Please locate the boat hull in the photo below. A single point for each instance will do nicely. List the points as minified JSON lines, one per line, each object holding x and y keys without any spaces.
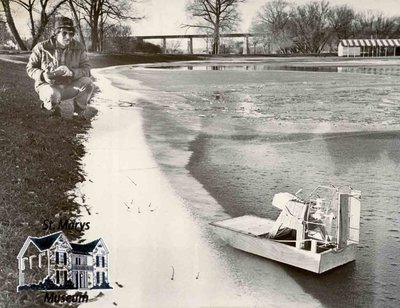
{"x":247,"y":233}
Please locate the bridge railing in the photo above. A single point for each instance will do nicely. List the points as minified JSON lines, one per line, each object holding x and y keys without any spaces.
{"x":164,"y":38}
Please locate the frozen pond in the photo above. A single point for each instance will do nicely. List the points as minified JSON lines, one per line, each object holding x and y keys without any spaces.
{"x":246,"y":134}
{"x":383,"y":70}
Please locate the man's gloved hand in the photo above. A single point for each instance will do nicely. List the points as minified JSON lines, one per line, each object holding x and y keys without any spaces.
{"x":64,"y":71}
{"x":61,"y":71}
{"x":49,"y":77}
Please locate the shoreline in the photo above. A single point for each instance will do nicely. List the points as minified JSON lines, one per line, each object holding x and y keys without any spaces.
{"x":157,"y":230}
{"x":156,"y":241}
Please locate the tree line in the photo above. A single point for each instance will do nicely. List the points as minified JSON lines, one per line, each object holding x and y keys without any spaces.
{"x":316,"y":26}
{"x":284,"y":27}
{"x":280,"y":26}
{"x":95,"y":19}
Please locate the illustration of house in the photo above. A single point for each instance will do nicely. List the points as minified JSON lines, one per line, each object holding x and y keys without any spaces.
{"x":66,"y":265}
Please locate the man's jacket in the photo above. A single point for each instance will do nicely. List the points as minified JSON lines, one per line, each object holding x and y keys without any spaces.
{"x":45,"y":57}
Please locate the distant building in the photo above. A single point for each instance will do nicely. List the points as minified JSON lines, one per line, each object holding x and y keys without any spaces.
{"x":368,"y":47}
{"x":53,"y":256}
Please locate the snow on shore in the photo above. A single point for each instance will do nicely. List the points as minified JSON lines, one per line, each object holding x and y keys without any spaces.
{"x":151,"y":237}
{"x":158,"y":255}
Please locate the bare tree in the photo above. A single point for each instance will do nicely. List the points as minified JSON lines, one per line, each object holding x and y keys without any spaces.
{"x":371,"y":25}
{"x":215,"y":15}
{"x":274,"y":16}
{"x":271,"y":24}
{"x":5,"y":35}
{"x":45,"y":9}
{"x":341,"y":21}
{"x":254,"y":41}
{"x":363,"y":25}
{"x":118,"y":36}
{"x":40,"y":13}
{"x":208,"y":40}
{"x":173,"y":46}
{"x":396,"y":27}
{"x":101,"y":14}
{"x":385,"y":27}
{"x":261,"y":35}
{"x":309,"y":26}
{"x":77,"y":22}
{"x":11,"y":24}
{"x":29,"y":6}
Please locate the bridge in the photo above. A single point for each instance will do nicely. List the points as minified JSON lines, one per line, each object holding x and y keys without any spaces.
{"x":190,"y":37}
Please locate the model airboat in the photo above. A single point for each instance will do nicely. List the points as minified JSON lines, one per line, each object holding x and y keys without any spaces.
{"x":316,"y":233}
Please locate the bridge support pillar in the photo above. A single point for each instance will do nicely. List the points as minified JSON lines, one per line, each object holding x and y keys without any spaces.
{"x":164,"y":45}
{"x":246,"y":49}
{"x":190,"y":45}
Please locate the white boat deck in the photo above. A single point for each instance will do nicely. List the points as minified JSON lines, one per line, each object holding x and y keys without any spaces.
{"x":247,"y":224}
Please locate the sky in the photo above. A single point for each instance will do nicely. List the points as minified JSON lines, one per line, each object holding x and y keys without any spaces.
{"x":165,"y":17}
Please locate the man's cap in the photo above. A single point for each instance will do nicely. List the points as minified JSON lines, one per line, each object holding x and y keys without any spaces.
{"x":64,"y":23}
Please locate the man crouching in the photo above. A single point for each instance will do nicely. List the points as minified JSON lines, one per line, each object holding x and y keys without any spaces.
{"x":61,"y":70}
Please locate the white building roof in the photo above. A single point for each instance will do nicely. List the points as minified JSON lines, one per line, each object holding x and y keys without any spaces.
{"x":370,"y":42}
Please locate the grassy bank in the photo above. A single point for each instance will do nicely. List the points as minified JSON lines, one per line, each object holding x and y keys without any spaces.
{"x":39,"y":163}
